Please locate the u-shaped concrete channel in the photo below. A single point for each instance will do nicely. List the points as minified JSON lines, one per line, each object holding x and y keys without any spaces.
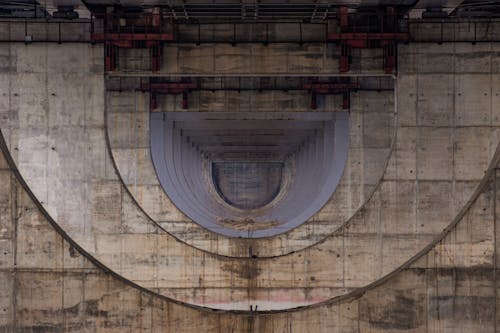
{"x":311,"y":149}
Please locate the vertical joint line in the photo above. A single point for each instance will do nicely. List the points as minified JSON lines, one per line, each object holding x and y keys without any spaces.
{"x":495,"y":245}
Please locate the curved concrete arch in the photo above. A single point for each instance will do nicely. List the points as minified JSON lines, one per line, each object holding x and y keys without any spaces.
{"x":107,"y":234}
{"x":325,"y":247}
{"x":274,"y":318}
{"x":179,"y":165}
{"x":317,"y":228}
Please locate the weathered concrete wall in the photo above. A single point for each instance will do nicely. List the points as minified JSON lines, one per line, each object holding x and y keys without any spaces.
{"x":110,"y":228}
{"x":371,"y":135}
{"x":49,"y":285}
{"x":41,"y":30}
{"x":441,"y":151}
{"x":114,"y":230}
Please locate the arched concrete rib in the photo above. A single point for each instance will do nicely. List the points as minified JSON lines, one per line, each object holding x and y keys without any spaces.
{"x":336,"y":300}
{"x":13,"y":168}
{"x":277,"y":249}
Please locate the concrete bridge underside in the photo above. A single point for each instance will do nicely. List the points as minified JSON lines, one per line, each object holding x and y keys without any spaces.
{"x":117,"y":217}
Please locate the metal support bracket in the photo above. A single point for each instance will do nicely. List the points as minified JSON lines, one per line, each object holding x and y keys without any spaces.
{"x":350,"y":37}
{"x":135,"y":33}
{"x":113,"y":42}
{"x":168,"y":88}
{"x":331,"y":88}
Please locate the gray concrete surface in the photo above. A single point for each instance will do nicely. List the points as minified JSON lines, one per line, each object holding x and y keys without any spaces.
{"x":447,"y":116}
{"x":128,"y":129}
{"x":449,"y":287}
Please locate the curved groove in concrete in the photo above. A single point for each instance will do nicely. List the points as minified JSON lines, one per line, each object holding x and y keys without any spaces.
{"x":335,"y":300}
{"x":292,"y":259}
{"x":338,"y":231}
{"x":438,"y":237}
{"x":12,"y":164}
{"x":361,"y":287}
{"x":488,"y":174}
{"x":250,"y":242}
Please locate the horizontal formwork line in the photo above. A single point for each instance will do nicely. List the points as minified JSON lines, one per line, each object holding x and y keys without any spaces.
{"x":294,"y":89}
{"x":180,"y":40}
{"x":61,"y":270}
{"x":285,"y":117}
{"x":387,"y":235}
{"x":254,"y":75}
{"x":451,"y":127}
{"x":229,"y":40}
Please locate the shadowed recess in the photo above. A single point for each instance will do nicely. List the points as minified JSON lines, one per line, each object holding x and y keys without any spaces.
{"x":249,"y":174}
{"x":247,"y":185}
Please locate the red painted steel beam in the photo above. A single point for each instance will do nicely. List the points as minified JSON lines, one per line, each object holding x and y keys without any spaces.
{"x":387,"y":37}
{"x":344,"y":60}
{"x":155,"y":50}
{"x":346,"y":100}
{"x":314,"y":100}
{"x":328,"y":88}
{"x":343,"y":17}
{"x":116,"y":36}
{"x":127,"y":41}
{"x":173,"y":88}
{"x":153,"y":101}
{"x":361,"y":40}
{"x":389,"y":57}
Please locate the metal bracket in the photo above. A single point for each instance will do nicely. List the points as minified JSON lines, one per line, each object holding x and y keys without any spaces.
{"x":332,"y":88}
{"x":133,"y":34}
{"x":386,"y":38}
{"x":168,"y":88}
